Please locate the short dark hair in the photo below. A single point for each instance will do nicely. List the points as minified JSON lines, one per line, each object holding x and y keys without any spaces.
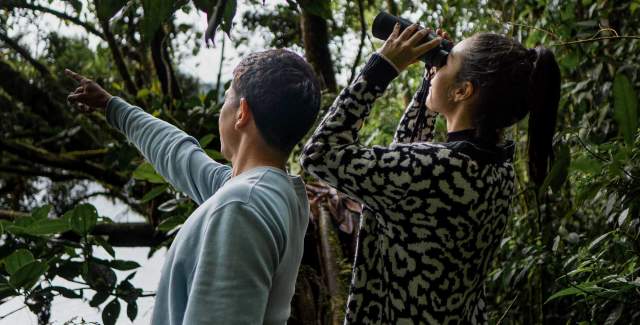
{"x":283,"y":94}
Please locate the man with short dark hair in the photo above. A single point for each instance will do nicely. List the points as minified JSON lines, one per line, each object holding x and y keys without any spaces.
{"x":236,"y":258}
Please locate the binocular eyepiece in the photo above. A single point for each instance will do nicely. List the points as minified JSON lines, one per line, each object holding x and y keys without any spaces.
{"x":383,"y":27}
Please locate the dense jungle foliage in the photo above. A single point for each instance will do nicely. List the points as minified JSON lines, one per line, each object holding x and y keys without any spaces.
{"x":571,"y":252}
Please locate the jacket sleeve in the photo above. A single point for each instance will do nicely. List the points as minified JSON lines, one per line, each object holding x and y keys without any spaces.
{"x":174,"y":154}
{"x":417,"y":122}
{"x":377,"y":176}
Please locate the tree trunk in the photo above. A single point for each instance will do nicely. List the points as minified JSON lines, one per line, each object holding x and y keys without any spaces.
{"x":315,"y":36}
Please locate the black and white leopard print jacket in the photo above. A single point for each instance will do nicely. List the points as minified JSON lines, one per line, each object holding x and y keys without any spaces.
{"x":434,"y":213}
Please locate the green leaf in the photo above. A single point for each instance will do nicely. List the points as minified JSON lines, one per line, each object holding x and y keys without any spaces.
{"x":132,"y":310}
{"x":596,"y":242}
{"x":104,"y":244}
{"x":625,"y":107}
{"x":99,"y":276}
{"x":99,"y":298}
{"x":170,"y":223}
{"x":146,"y":172}
{"x":66,"y":292}
{"x":105,"y":9}
{"x":48,"y":227}
{"x":18,"y":259}
{"x":41,"y":212}
{"x":157,"y":190}
{"x":76,"y":4}
{"x":206,"y":140}
{"x":321,"y":8}
{"x":580,"y":289}
{"x":124,"y":265}
{"x":27,"y":276}
{"x":225,"y":20}
{"x":83,"y":219}
{"x":155,"y":14}
{"x":111,"y":312}
{"x":227,"y":16}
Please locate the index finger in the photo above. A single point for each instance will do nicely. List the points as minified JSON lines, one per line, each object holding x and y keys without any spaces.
{"x":73,"y":75}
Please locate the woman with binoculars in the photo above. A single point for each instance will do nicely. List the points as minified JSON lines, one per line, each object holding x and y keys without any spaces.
{"x":434,"y":213}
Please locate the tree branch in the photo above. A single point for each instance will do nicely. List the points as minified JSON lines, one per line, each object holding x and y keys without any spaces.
{"x":23,"y":4}
{"x":117,"y":58}
{"x":363,"y":36}
{"x":35,"y":154}
{"x":21,"y":89}
{"x":44,"y":71}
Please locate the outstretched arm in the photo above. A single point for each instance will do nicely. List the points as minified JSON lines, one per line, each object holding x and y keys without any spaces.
{"x":175,"y":155}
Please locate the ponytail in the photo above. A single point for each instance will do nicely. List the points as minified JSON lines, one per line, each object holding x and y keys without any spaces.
{"x":544,"y":96}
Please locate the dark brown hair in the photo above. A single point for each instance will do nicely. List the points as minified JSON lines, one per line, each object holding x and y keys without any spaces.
{"x":512,"y":81}
{"x":283,"y":95}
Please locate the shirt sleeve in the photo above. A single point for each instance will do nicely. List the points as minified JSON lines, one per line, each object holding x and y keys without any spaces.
{"x":174,"y":154}
{"x":418,"y":122}
{"x":239,"y":255}
{"x":376,"y":176}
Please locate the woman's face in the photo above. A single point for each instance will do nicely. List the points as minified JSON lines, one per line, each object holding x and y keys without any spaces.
{"x":443,"y":86}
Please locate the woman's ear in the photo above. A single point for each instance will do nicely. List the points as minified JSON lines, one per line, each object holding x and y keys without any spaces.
{"x":464,"y":91}
{"x":243,"y":114}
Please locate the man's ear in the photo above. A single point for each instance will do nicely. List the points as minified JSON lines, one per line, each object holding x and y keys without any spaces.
{"x":243,"y":114}
{"x":464,"y":91}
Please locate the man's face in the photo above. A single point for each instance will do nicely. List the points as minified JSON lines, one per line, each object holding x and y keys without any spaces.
{"x":226,"y":123}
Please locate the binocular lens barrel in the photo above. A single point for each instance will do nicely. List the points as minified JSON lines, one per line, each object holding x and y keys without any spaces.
{"x":383,"y":27}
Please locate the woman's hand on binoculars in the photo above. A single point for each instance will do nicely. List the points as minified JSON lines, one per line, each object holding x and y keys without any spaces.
{"x":404,"y":49}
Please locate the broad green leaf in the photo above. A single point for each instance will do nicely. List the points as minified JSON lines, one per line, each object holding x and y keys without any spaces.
{"x":625,"y":107}
{"x":157,"y":190}
{"x":225,"y":20}
{"x":41,"y":212}
{"x":28,"y":275}
{"x":111,"y":312}
{"x":48,"y":227}
{"x":124,"y":265}
{"x":132,"y":310}
{"x":170,"y":223}
{"x":18,"y":259}
{"x":146,"y":172}
{"x":206,"y":140}
{"x":105,"y":9}
{"x":583,"y":288}
{"x":99,"y":298}
{"x":227,"y":16}
{"x":155,"y":14}
{"x":83,"y":219}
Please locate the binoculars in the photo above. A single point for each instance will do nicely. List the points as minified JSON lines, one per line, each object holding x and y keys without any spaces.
{"x":383,"y":27}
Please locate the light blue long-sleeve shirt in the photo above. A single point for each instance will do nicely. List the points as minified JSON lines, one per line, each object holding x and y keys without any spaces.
{"x":236,"y":258}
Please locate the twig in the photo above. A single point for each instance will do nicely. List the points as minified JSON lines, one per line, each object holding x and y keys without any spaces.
{"x":12,"y":312}
{"x":508,"y":308}
{"x":595,"y":39}
{"x":363,"y":36}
